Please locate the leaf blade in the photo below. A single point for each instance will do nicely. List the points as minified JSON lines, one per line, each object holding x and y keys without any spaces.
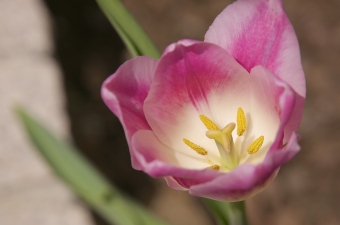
{"x":85,"y":180}
{"x":132,"y":34}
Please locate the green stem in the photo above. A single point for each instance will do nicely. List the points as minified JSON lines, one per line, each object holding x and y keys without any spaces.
{"x":227,"y":213}
{"x":237,"y":213}
{"x":133,"y":35}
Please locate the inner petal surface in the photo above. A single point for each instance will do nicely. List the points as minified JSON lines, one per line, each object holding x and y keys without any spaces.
{"x":191,"y":81}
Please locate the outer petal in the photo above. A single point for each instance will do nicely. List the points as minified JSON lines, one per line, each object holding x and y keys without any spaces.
{"x":124,"y":93}
{"x":258,"y":32}
{"x":183,"y":42}
{"x":270,"y":96}
{"x":171,"y":182}
{"x":247,"y":180}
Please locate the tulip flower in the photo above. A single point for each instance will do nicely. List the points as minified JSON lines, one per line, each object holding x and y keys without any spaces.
{"x":217,"y":118}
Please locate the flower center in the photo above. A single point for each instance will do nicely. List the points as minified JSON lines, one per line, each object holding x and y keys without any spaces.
{"x":229,"y":155}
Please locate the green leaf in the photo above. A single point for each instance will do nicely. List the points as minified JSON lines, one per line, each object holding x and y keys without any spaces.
{"x":134,"y":37}
{"x":84,"y":179}
{"x":227,"y":213}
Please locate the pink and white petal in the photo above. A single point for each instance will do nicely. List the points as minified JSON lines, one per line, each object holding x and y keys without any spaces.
{"x":271,"y":106}
{"x":296,"y":116}
{"x":157,"y":160}
{"x":285,"y":103}
{"x":172,"y":183}
{"x":244,"y":182}
{"x":148,"y":149}
{"x":124,"y":93}
{"x":190,"y":80}
{"x":258,"y":32}
{"x":247,"y":180}
{"x":183,"y":42}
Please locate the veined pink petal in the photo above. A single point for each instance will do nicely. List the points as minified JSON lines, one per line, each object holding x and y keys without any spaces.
{"x":247,"y":180}
{"x":258,"y":32}
{"x":184,"y":81}
{"x":124,"y":93}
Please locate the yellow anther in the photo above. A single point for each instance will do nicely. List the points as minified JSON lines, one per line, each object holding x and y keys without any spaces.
{"x":200,"y":150}
{"x":208,"y":123}
{"x":241,"y":122}
{"x":256,"y":145}
{"x":215,"y":167}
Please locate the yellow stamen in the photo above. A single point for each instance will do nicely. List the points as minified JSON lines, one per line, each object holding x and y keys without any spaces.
{"x":241,"y":122}
{"x":215,"y":167}
{"x":200,"y":150}
{"x":256,"y":145}
{"x":208,"y":123}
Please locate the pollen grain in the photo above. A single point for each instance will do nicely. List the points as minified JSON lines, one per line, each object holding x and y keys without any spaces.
{"x":241,"y":122}
{"x":256,"y":145}
{"x":215,"y":167}
{"x":210,"y":125}
{"x":200,"y":150}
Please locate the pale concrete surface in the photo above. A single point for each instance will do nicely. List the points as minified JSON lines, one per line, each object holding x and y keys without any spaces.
{"x":30,"y":193}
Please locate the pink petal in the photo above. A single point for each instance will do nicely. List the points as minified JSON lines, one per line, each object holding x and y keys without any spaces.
{"x":157,"y":160}
{"x":185,"y":78}
{"x":258,"y":32}
{"x":277,"y":97}
{"x":183,"y":42}
{"x":247,"y":180}
{"x":124,"y":93}
{"x":172,"y":183}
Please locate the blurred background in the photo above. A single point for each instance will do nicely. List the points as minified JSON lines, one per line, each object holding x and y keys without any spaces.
{"x":54,"y":56}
